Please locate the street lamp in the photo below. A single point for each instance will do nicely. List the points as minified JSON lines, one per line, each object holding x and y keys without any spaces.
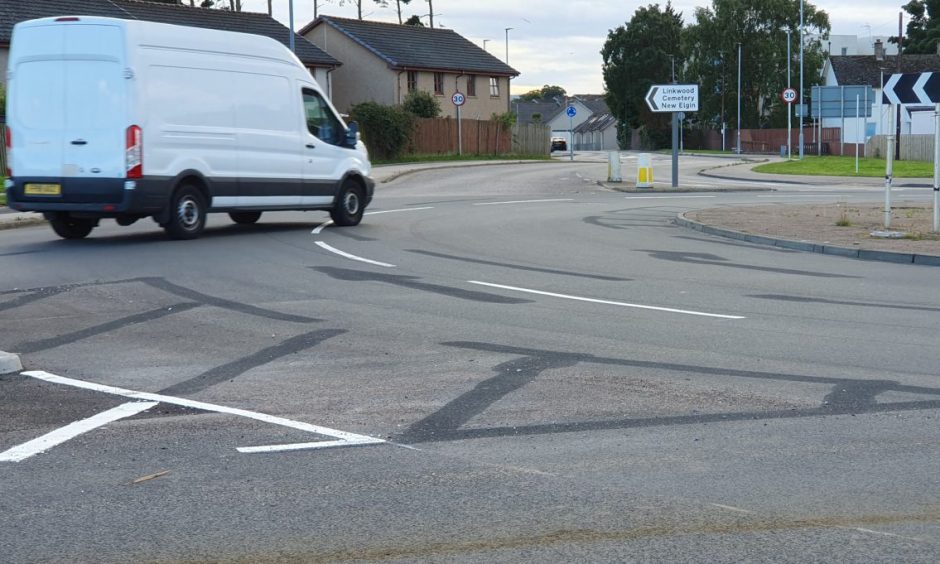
{"x":739,"y":98}
{"x":508,"y":29}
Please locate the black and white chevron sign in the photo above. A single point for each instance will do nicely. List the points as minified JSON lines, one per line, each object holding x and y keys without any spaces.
{"x":913,"y":88}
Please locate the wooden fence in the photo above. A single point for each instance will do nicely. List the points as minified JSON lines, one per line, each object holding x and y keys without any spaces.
{"x":913,"y":147}
{"x":436,"y":136}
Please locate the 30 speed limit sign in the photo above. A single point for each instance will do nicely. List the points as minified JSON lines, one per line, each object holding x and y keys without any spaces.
{"x":458,"y":99}
{"x":788,"y":95}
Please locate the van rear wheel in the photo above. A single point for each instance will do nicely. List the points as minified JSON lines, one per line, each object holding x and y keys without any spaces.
{"x":187,"y":214}
{"x":69,"y":227}
{"x":245,"y":218}
{"x":349,"y":206}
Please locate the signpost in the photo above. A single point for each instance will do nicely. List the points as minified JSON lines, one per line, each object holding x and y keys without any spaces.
{"x":673,"y":98}
{"x":459,"y":100}
{"x":571,"y":111}
{"x":789,"y":96}
{"x":914,"y":88}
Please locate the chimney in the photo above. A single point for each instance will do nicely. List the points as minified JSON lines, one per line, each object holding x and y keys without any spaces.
{"x":879,"y":50}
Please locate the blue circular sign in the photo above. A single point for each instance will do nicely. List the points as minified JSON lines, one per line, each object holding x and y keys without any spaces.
{"x":571,"y":111}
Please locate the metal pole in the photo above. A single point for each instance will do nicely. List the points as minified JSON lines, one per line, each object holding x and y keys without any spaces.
{"x":801,"y":79}
{"x":291,"y":10}
{"x":459,"y":133}
{"x":889,"y":175}
{"x":842,"y":129}
{"x":936,"y":170}
{"x":789,"y":106}
{"x":675,"y":149}
{"x":570,"y":138}
{"x":508,"y":29}
{"x":858,"y":118}
{"x":739,"y":100}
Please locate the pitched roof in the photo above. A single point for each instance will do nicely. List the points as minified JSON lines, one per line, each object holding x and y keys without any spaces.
{"x":865,"y":69}
{"x":413,"y":47}
{"x":178,"y":14}
{"x":597,"y":122}
{"x":597,"y":103}
{"x":547,"y":109}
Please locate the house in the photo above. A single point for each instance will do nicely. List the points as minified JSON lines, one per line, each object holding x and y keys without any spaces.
{"x":382,"y":62}
{"x":593,"y":127}
{"x":875,"y":70}
{"x":316,"y":60}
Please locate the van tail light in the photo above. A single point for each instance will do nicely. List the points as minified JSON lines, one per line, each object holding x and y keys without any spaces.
{"x":134,"y":152}
{"x":9,"y":142}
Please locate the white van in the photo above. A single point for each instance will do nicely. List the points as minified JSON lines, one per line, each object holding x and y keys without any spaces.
{"x":124,"y":119}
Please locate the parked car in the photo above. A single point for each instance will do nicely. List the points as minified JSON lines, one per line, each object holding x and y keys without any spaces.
{"x":559,"y":144}
{"x":126,"y":119}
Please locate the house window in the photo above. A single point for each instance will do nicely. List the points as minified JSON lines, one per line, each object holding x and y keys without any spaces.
{"x":412,"y":81}
{"x":845,"y":51}
{"x":494,"y":87}
{"x":439,"y":83}
{"x":471,"y":85}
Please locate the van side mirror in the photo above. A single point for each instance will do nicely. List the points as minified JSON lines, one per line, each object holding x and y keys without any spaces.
{"x":352,"y":135}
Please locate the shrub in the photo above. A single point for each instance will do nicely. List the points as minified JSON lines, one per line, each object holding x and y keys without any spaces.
{"x":386,"y":130}
{"x":422,"y":104}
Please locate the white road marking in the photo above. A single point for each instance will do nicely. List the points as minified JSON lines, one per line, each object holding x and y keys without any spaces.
{"x":344,"y":254}
{"x":870,"y":531}
{"x":344,"y":438}
{"x":321,"y":227}
{"x":525,"y":202}
{"x":397,"y":211}
{"x":802,"y":196}
{"x":72,"y":430}
{"x":665,"y":197}
{"x":298,"y":446}
{"x":732,"y":508}
{"x":605,"y":302}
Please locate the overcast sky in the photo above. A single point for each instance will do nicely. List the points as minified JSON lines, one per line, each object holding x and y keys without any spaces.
{"x":559,"y":41}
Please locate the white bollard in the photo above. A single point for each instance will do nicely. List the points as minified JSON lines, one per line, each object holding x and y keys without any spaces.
{"x":644,"y":171}
{"x":613,"y":167}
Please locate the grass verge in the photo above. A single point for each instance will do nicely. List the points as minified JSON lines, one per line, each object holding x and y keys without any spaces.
{"x":458,"y":158}
{"x":845,"y":166}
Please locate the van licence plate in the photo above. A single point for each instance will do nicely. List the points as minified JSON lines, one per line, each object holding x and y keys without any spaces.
{"x":43,"y":190}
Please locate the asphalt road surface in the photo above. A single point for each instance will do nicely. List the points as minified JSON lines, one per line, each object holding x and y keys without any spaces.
{"x":500,"y":364}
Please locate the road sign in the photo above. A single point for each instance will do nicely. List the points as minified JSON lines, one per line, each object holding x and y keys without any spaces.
{"x":571,"y":111}
{"x":673,"y":98}
{"x":788,"y":95}
{"x":913,"y":88}
{"x":841,"y":101}
{"x":458,"y":99}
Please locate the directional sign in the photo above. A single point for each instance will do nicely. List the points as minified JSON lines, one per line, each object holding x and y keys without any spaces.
{"x":571,"y":111}
{"x":673,"y":98}
{"x":913,"y":88}
{"x":788,"y":95}
{"x":458,"y":99}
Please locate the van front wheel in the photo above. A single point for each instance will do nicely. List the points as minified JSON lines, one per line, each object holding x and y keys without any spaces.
{"x":349,"y":205}
{"x":69,"y":227}
{"x":187,"y":214}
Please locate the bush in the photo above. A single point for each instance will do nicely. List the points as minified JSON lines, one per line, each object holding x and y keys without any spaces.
{"x":386,"y":130}
{"x":422,"y":104}
{"x":506,"y":120}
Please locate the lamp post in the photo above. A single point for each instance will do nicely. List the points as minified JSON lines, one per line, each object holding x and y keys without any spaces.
{"x":739,"y":99}
{"x":789,"y":106}
{"x":291,"y":9}
{"x":508,"y":29}
{"x":803,"y":110}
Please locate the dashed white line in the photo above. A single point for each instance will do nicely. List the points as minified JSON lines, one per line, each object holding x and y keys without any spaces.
{"x":604,"y":302}
{"x":321,"y":227}
{"x":343,"y":438}
{"x":72,"y":430}
{"x":665,"y":197}
{"x":525,"y":202}
{"x":732,"y":508}
{"x":882,"y":533}
{"x":344,"y":254}
{"x":399,"y":211}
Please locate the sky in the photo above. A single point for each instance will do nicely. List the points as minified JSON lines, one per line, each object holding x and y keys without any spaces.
{"x":559,"y":41}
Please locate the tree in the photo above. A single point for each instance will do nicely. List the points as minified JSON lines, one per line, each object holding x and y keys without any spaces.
{"x":760,"y":26}
{"x":546,"y":93}
{"x":398,"y":4}
{"x":358,"y":4}
{"x":923,"y":31}
{"x":637,"y":55}
{"x":415,"y":21}
{"x":422,"y":104}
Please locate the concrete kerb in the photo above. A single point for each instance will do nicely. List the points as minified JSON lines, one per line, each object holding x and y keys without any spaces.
{"x":9,"y":363}
{"x":809,"y":246}
{"x":19,"y":219}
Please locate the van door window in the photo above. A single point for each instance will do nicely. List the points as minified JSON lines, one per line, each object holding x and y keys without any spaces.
{"x":321,"y":121}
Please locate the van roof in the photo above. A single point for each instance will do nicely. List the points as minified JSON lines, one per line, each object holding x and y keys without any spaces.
{"x":178,"y":14}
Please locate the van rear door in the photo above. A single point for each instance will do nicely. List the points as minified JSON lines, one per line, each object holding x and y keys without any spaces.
{"x":69,"y":109}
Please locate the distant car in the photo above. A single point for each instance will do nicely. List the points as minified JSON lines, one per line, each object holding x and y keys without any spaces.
{"x":559,"y":144}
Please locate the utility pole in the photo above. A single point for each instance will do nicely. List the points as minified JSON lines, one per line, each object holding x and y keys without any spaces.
{"x":897,"y":118}
{"x":508,"y":29}
{"x":789,"y":106}
{"x":431,"y":12}
{"x":739,"y":99}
